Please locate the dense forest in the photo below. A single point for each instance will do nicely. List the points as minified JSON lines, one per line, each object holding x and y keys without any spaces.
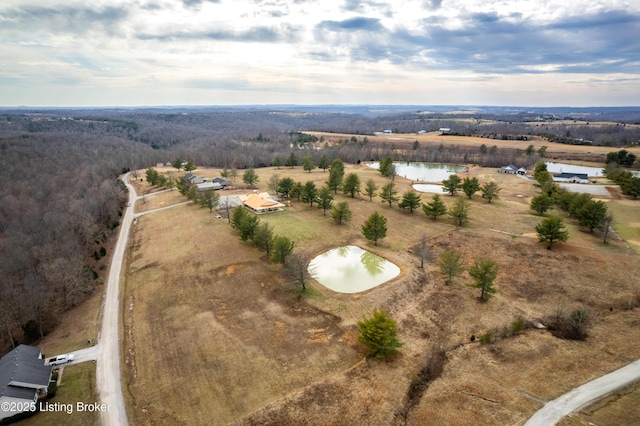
{"x":60,"y":201}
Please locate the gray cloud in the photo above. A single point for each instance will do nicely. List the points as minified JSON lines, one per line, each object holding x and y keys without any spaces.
{"x":353,"y":24}
{"x":196,"y":3}
{"x":490,"y":43}
{"x":65,"y":19}
{"x":262,"y":34}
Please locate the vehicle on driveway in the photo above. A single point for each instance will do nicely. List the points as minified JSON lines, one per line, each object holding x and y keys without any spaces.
{"x":61,"y":359}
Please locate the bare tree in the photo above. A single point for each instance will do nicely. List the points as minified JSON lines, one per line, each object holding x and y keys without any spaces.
{"x":422,"y":249}
{"x":296,"y":268}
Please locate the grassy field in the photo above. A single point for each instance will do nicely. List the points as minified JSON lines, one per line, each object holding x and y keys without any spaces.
{"x":214,"y":331}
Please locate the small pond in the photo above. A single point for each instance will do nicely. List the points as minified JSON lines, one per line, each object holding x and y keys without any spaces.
{"x":423,"y":172}
{"x":428,"y":187}
{"x":351,"y":269}
{"x":572,"y":168}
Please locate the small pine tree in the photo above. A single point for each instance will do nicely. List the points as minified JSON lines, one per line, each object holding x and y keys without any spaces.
{"x":410,"y":201}
{"x":341,"y":212}
{"x":375,"y":227}
{"x":551,"y":230}
{"x":450,"y":265}
{"x":484,"y":272}
{"x":379,"y":334}
{"x":435,"y":208}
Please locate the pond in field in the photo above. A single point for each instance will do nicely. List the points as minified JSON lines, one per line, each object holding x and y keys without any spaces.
{"x":351,"y":269}
{"x":572,"y":168}
{"x":423,"y":172}
{"x":428,"y":187}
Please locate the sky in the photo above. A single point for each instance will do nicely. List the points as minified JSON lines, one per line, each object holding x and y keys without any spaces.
{"x":240,"y":52}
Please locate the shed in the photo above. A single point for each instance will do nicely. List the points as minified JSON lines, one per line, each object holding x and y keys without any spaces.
{"x":571,"y":177}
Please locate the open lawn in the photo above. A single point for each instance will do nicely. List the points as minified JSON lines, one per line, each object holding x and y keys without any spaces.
{"x":214,"y":331}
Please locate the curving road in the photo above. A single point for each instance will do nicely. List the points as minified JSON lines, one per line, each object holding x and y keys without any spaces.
{"x":582,"y":396}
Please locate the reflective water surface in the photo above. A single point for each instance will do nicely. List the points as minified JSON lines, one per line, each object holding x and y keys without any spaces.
{"x":423,"y":172}
{"x":351,"y":269}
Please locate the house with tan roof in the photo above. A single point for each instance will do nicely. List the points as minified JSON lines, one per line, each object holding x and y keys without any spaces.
{"x":261,"y":203}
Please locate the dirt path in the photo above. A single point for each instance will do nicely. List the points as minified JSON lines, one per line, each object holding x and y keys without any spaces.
{"x":582,"y":396}
{"x":108,"y":379}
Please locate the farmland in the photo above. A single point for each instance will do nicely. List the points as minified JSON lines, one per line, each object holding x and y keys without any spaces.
{"x":210,"y":321}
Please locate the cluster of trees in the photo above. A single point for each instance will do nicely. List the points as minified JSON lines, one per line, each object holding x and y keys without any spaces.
{"x":277,"y":248}
{"x":60,"y":205}
{"x":589,"y":213}
{"x":470,"y":186}
{"x":622,"y":157}
{"x":483,"y":271}
{"x":629,"y":184}
{"x":159,"y":179}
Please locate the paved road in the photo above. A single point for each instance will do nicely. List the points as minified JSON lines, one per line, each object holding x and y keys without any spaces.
{"x":108,"y":379}
{"x":582,"y":396}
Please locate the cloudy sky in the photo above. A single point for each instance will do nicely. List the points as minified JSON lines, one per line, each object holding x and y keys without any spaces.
{"x":229,"y":52}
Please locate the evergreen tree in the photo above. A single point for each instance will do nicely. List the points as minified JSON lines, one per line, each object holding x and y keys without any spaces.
{"x":375,"y":227}
{"x":282,"y":249}
{"x":388,"y":193}
{"x":296,"y":190}
{"x":324,"y":162}
{"x":489,"y":191}
{"x":450,"y":265}
{"x":177,"y":163}
{"x":263,"y":237}
{"x":379,"y":334}
{"x":250,"y":177}
{"x":307,"y":163}
{"x":370,"y":189}
{"x":460,"y":212}
{"x":410,"y":201}
{"x":209,"y":199}
{"x":309,"y":193}
{"x":284,"y":186}
{"x":541,"y":203}
{"x":385,"y":166}
{"x":336,"y":173}
{"x":551,"y":230}
{"x":591,"y":214}
{"x":484,"y":272}
{"x":325,"y":199}
{"x":351,"y":184}
{"x":292,"y":161}
{"x":341,"y":212}
{"x":277,"y":162}
{"x":435,"y":208}
{"x":470,"y":186}
{"x":452,"y":184}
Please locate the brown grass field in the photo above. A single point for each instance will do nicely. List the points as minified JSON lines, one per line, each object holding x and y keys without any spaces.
{"x":215,"y":335}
